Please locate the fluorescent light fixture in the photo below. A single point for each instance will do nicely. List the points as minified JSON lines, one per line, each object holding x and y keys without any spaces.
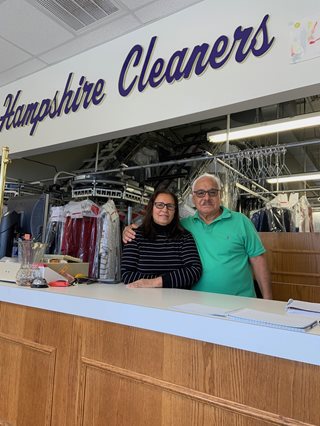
{"x":295,"y":178}
{"x":266,"y":128}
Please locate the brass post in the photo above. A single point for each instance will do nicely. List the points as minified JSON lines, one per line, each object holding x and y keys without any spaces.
{"x":3,"y":172}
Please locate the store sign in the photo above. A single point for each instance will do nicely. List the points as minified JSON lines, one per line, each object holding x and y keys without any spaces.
{"x":19,"y":115}
{"x":139,"y":71}
{"x":184,"y":63}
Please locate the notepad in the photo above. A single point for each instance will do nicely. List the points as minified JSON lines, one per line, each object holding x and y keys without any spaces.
{"x":267,"y":319}
{"x":303,"y":308}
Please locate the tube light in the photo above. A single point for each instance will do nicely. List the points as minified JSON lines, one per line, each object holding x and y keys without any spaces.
{"x":295,"y":178}
{"x":266,"y":128}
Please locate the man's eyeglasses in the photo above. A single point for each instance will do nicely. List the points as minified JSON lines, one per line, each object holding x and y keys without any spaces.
{"x":211,"y":192}
{"x":160,"y":205}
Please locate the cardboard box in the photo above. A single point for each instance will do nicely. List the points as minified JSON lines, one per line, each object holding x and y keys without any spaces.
{"x":51,"y":272}
{"x":70,"y":268}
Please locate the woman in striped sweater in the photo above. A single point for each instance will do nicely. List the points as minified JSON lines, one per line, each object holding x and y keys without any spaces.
{"x":163,"y":254}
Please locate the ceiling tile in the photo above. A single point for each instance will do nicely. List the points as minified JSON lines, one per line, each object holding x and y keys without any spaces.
{"x":161,"y":8}
{"x":28,"y":28}
{"x":22,"y":70}
{"x":11,"y":55}
{"x":101,"y":35}
{"x":134,"y":4}
{"x":26,"y":31}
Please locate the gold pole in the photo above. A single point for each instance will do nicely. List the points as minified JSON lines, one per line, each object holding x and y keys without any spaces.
{"x":4,"y":162}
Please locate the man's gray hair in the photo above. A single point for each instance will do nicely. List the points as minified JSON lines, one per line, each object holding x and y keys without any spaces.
{"x":214,"y":179}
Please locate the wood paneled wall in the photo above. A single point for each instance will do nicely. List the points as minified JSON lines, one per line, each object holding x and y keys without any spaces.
{"x":294,"y":260}
{"x":62,"y":370}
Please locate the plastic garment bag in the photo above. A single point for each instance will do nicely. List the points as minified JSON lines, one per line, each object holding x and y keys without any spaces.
{"x":110,"y":244}
{"x":81,"y":233}
{"x":54,"y":231}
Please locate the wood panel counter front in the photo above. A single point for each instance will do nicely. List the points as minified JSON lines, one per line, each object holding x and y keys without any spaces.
{"x":108,"y":355}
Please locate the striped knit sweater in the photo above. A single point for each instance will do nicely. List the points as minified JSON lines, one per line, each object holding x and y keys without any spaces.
{"x":176,"y":260}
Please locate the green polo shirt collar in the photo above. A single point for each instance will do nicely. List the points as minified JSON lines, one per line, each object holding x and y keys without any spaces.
{"x":226,"y":214}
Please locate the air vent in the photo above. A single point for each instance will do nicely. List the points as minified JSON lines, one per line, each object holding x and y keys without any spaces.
{"x":79,"y":14}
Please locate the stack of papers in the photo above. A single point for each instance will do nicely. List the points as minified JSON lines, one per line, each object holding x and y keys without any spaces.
{"x":286,"y":322}
{"x":304,"y":308}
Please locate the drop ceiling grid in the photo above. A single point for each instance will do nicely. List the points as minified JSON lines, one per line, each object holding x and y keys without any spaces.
{"x":31,"y":40}
{"x":33,"y":31}
{"x":78,"y":45}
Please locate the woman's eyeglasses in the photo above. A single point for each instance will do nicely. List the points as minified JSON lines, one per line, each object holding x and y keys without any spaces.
{"x":160,"y":205}
{"x":211,"y":192}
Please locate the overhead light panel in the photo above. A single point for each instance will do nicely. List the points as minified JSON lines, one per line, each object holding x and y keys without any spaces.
{"x":266,"y":128}
{"x":295,"y":178}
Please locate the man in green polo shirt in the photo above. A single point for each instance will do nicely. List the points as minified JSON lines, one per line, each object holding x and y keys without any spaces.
{"x":229,"y":246}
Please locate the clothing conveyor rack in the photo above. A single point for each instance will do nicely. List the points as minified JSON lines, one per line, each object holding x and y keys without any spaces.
{"x":135,"y":195}
{"x":10,"y":191}
{"x":96,"y":192}
{"x":84,"y":186}
{"x":13,"y":189}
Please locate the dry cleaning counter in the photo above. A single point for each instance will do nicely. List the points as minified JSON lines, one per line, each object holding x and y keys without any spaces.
{"x":150,"y":309}
{"x":84,"y":344}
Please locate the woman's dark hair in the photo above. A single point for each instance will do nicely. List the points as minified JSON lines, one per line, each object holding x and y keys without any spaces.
{"x":148,"y":226}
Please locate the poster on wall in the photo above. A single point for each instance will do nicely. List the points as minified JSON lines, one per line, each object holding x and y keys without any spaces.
{"x":305,"y":39}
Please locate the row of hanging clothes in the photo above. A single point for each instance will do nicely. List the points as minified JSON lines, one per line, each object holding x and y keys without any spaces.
{"x":90,"y":232}
{"x":285,"y":213}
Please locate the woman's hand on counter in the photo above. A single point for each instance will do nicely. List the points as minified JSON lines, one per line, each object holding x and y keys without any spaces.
{"x":146,"y":283}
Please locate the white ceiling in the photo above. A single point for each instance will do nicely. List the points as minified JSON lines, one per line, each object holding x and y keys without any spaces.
{"x":35,"y":34}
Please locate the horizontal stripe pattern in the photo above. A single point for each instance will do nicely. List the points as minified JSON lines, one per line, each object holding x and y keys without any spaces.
{"x":176,"y":260}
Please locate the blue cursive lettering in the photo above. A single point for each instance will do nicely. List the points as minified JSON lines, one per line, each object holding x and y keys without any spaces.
{"x":183,"y":64}
{"x":35,"y":112}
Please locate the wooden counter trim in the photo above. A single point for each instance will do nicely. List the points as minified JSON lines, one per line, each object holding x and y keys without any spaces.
{"x":4,"y":423}
{"x":291,"y":251}
{"x":33,"y":345}
{"x":111,"y":374}
{"x":301,"y":274}
{"x":195,"y":395}
{"x":297,"y":285}
{"x":46,"y":350}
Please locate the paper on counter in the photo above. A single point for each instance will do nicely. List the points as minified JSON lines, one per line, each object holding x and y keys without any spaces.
{"x":303,"y":308}
{"x":197,"y":308}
